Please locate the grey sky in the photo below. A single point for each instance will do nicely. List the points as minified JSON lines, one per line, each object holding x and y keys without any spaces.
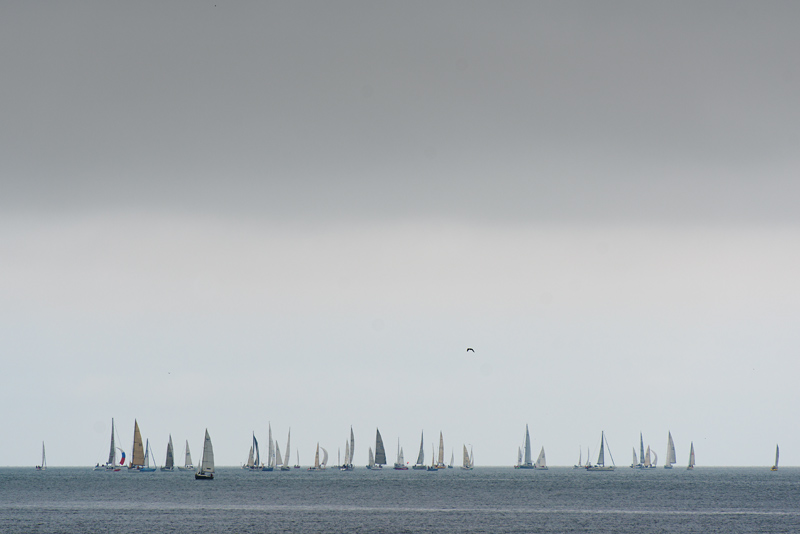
{"x":314,"y":208}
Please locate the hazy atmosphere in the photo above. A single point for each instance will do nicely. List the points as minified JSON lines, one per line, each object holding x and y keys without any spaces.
{"x":224,"y":215}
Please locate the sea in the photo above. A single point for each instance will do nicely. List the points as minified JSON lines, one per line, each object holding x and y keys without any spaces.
{"x":486,"y":499}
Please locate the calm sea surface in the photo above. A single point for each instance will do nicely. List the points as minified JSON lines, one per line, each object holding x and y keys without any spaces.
{"x":706,"y":500}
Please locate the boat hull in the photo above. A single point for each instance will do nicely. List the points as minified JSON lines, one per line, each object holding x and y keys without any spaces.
{"x":204,"y":476}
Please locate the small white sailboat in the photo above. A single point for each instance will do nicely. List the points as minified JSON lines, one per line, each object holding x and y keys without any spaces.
{"x":297,"y":465}
{"x":421,"y":456}
{"x":285,"y":466}
{"x":580,"y":460}
{"x":541,"y":461}
{"x":319,"y":466}
{"x":601,"y":463}
{"x":371,"y":460}
{"x":187,"y":459}
{"x":528,"y":461}
{"x":400,"y":464}
{"x":348,"y":452}
{"x":654,"y":462}
{"x":467,"y":461}
{"x":432,"y":467}
{"x":452,"y":459}
{"x":380,"y":451}
{"x":773,"y":468}
{"x":271,"y":463}
{"x":206,"y":468}
{"x":691,"y":457}
{"x":670,"y":452}
{"x":635,"y":462}
{"x":278,"y":458}
{"x":519,"y":458}
{"x":43,"y":465}
{"x":169,"y":462}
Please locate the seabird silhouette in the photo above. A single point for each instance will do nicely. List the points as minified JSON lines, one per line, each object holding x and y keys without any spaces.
{"x":470,"y":349}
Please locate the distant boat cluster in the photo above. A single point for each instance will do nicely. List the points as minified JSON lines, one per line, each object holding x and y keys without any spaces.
{"x":142,"y":459}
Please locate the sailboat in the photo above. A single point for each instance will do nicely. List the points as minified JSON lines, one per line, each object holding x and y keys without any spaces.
{"x":421,"y":457}
{"x":380,"y":451}
{"x":452,"y":459}
{"x":254,"y":458}
{"x":467,"y":462}
{"x":271,"y":463}
{"x":317,"y":465}
{"x":206,"y":469}
{"x":43,"y":465}
{"x":670,"y":452}
{"x":111,"y":463}
{"x":285,"y":466}
{"x":580,"y":459}
{"x":528,"y":463}
{"x":146,"y":467}
{"x":137,"y":458}
{"x":773,"y":468}
{"x":297,"y":465}
{"x":348,"y":453}
{"x":278,"y":458}
{"x":371,"y":461}
{"x":691,"y":457}
{"x":654,"y":463}
{"x":169,"y":462}
{"x":541,"y":461}
{"x":400,"y":463}
{"x":440,"y":463}
{"x":635,"y":462}
{"x":187,"y":461}
{"x":432,"y":467}
{"x":519,"y":458}
{"x":601,"y":463}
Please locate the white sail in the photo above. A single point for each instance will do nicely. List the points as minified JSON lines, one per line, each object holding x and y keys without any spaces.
{"x":655,"y":459}
{"x":352,"y":448}
{"x":641,"y":451}
{"x":316,"y":458}
{"x":528,"y":459}
{"x":43,"y":465}
{"x":541,"y":461}
{"x":188,"y":457}
{"x":421,"y":456}
{"x":440,"y":462}
{"x":271,"y":451}
{"x":324,"y":458}
{"x":519,"y":456}
{"x":380,"y":451}
{"x":278,"y":458}
{"x":452,"y":458}
{"x":400,"y":459}
{"x":250,"y":458}
{"x":371,"y":462}
{"x":206,"y":467}
{"x":635,"y":461}
{"x":774,"y":467}
{"x":465,"y":460}
{"x":691,"y":457}
{"x":670,"y":451}
{"x":647,"y":457}
{"x":286,"y":458}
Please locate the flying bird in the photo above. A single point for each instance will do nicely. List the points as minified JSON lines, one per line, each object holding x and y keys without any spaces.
{"x":470,"y":349}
